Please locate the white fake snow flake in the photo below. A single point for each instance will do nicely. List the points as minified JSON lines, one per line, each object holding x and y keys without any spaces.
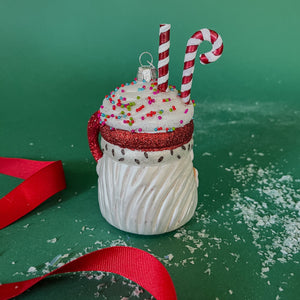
{"x":208,"y":271}
{"x":52,"y":241}
{"x":169,"y":257}
{"x":191,"y":249}
{"x":206,"y":154}
{"x":137,"y":291}
{"x":32,"y":270}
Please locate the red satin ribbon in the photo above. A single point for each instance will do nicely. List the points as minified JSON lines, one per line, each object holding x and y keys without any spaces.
{"x":41,"y":181}
{"x":132,"y":263}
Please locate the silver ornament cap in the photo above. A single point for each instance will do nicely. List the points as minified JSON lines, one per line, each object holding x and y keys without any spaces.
{"x":146,"y":72}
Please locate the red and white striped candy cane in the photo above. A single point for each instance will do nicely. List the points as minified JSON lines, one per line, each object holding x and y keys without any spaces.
{"x":163,"y":57}
{"x":190,"y":54}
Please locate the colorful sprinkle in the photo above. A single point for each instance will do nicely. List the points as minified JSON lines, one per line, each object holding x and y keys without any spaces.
{"x":151,"y":114}
{"x":151,"y":100}
{"x":140,"y":108}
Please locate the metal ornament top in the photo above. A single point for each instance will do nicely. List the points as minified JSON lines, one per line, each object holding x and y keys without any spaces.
{"x":146,"y":72}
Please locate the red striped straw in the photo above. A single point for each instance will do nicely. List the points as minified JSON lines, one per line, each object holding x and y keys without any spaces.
{"x":163,"y":57}
{"x":190,"y":54}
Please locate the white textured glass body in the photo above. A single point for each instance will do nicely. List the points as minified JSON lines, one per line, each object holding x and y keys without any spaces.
{"x":147,"y":198}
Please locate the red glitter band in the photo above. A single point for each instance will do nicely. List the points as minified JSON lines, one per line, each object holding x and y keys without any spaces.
{"x":148,"y":141}
{"x":136,"y":141}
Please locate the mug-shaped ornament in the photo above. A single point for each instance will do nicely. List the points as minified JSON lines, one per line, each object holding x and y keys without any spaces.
{"x":146,"y":180}
{"x":147,"y":183}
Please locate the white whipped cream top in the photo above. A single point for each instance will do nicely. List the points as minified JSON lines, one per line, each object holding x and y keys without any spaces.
{"x":139,"y":107}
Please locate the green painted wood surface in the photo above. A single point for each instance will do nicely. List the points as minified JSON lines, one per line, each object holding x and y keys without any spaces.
{"x":57,"y":61}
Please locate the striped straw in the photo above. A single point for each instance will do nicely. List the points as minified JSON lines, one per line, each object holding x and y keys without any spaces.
{"x":163,"y":57}
{"x":206,"y":58}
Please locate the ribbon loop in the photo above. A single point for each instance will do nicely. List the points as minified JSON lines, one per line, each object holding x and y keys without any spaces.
{"x":42,"y":179}
{"x":132,"y":263}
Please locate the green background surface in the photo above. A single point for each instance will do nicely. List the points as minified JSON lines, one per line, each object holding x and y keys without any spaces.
{"x":57,"y":61}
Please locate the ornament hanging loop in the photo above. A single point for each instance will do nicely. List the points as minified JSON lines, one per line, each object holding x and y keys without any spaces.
{"x":149,"y":63}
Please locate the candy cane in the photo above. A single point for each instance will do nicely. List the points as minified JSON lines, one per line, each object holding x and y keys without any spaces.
{"x":163,"y":58}
{"x":190,"y":54}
